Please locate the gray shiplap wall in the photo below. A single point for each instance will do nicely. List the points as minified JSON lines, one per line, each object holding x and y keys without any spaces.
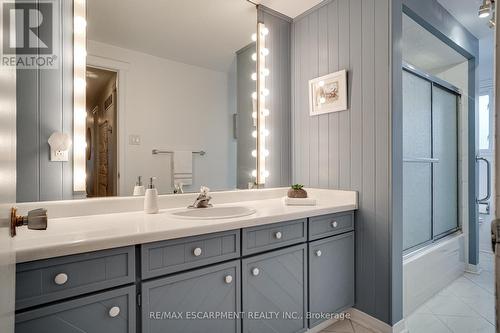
{"x":351,"y":149}
{"x":279,"y":161}
{"x":44,"y":106}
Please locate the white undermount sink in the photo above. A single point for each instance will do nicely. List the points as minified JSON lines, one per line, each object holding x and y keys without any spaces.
{"x":212,"y":213}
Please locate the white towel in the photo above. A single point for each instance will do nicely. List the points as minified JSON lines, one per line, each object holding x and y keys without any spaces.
{"x":183,"y":167}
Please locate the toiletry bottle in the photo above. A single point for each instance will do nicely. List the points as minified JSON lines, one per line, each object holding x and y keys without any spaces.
{"x":139,"y":189}
{"x":151,"y":199}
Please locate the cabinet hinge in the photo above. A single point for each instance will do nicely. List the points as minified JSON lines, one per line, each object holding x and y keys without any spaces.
{"x":139,"y":298}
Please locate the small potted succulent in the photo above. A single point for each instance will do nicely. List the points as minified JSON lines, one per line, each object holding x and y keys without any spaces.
{"x":297,"y":191}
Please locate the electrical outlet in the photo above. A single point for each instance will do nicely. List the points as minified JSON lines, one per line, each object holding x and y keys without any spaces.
{"x":134,"y":140}
{"x":59,"y":156}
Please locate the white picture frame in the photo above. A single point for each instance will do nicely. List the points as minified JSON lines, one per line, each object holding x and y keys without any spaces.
{"x":328,"y":93}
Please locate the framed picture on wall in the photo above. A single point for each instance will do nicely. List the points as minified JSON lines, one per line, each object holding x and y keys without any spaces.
{"x":328,"y":93}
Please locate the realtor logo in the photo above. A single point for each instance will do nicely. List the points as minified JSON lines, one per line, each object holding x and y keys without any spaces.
{"x":28,"y":37}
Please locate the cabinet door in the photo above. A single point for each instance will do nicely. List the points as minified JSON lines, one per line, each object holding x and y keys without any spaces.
{"x":331,"y":276}
{"x":275,"y":284}
{"x":182,"y":303}
{"x":110,"y":312}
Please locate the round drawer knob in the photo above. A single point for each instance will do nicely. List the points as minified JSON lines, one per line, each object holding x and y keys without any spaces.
{"x":228,"y":279}
{"x":61,"y":279}
{"x":278,"y":235}
{"x":197,"y":252}
{"x":318,"y":253}
{"x":335,"y":224}
{"x":114,"y":311}
{"x":255,"y":271}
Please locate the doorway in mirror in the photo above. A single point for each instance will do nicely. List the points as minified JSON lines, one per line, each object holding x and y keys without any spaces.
{"x":101,"y":132}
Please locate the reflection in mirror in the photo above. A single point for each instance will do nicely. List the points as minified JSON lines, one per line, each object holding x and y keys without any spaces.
{"x":173,"y":76}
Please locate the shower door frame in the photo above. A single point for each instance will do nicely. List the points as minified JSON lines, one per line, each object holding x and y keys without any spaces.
{"x":435,"y":81}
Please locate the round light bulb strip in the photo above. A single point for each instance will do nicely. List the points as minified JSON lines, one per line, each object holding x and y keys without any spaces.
{"x":261,"y":112}
{"x":79,"y":89}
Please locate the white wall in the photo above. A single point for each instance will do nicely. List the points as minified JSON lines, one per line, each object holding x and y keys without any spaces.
{"x":172,"y":106}
{"x":486,"y":55}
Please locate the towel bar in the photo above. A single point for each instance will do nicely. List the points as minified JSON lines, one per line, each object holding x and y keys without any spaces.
{"x":158,"y":151}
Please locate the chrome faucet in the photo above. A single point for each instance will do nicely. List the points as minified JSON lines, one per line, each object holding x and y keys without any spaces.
{"x":178,"y":188}
{"x":203,"y":199}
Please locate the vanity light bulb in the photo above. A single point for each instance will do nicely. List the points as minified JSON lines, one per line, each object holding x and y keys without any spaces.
{"x":254,"y":95}
{"x":80,"y":24}
{"x":265,"y":132}
{"x":254,"y":37}
{"x":264,"y":72}
{"x":254,"y":173}
{"x":264,"y":52}
{"x":265,"y":112}
{"x":265,"y":92}
{"x":254,"y":153}
{"x":254,"y":76}
{"x":322,"y":100}
{"x":265,"y":153}
{"x":254,"y":134}
{"x":80,"y":85}
{"x":254,"y":56}
{"x":254,"y":115}
{"x":264,"y":31}
{"x":321,"y":83}
{"x":265,"y":173}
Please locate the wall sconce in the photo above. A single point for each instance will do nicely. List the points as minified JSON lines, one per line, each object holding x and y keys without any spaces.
{"x":59,"y":145}
{"x":262,"y":112}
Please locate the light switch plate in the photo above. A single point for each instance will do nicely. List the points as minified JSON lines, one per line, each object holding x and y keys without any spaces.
{"x":134,"y":140}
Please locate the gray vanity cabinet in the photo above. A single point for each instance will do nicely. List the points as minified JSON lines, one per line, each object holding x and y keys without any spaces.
{"x":275,"y":282}
{"x":331,"y":275}
{"x":109,"y":312}
{"x":175,"y":303}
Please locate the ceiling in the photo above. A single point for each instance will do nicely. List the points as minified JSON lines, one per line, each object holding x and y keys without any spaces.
{"x":291,"y":8}
{"x":196,"y":32}
{"x":425,"y":51}
{"x":465,"y":11}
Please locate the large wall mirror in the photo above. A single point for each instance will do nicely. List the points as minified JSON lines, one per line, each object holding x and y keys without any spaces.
{"x":163,"y":89}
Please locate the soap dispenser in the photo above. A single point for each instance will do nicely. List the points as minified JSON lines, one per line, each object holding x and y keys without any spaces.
{"x":139,"y":189}
{"x":151,"y":198}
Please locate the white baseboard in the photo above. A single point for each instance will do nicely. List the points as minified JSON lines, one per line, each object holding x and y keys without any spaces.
{"x":376,"y":325}
{"x":474,"y":269}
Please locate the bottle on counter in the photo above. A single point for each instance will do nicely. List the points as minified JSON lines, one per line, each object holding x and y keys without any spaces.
{"x":151,"y":198}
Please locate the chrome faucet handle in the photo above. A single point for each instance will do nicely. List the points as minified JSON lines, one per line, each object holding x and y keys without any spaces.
{"x":35,"y":220}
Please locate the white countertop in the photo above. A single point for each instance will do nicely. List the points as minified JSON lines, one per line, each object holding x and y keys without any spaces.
{"x":78,"y":234}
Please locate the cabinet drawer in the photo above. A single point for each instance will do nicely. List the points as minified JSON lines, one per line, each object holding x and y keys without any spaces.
{"x":276,"y":282}
{"x":329,"y":225}
{"x":215,"y":289}
{"x":176,"y":255}
{"x":272,"y":236}
{"x":110,"y":312}
{"x":331,"y":276}
{"x":52,"y":279}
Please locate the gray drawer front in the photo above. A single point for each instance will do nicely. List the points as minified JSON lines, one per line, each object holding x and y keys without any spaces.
{"x":215,"y":289}
{"x":88,"y":272}
{"x":279,"y":286}
{"x":264,"y":238}
{"x":84,"y":315}
{"x":329,"y":225}
{"x":176,"y":255}
{"x":331,"y":276}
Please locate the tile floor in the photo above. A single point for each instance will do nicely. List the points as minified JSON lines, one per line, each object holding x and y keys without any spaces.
{"x":467,"y":305}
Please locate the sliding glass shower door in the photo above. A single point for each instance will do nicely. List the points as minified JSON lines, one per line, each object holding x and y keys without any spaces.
{"x":429,"y":160}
